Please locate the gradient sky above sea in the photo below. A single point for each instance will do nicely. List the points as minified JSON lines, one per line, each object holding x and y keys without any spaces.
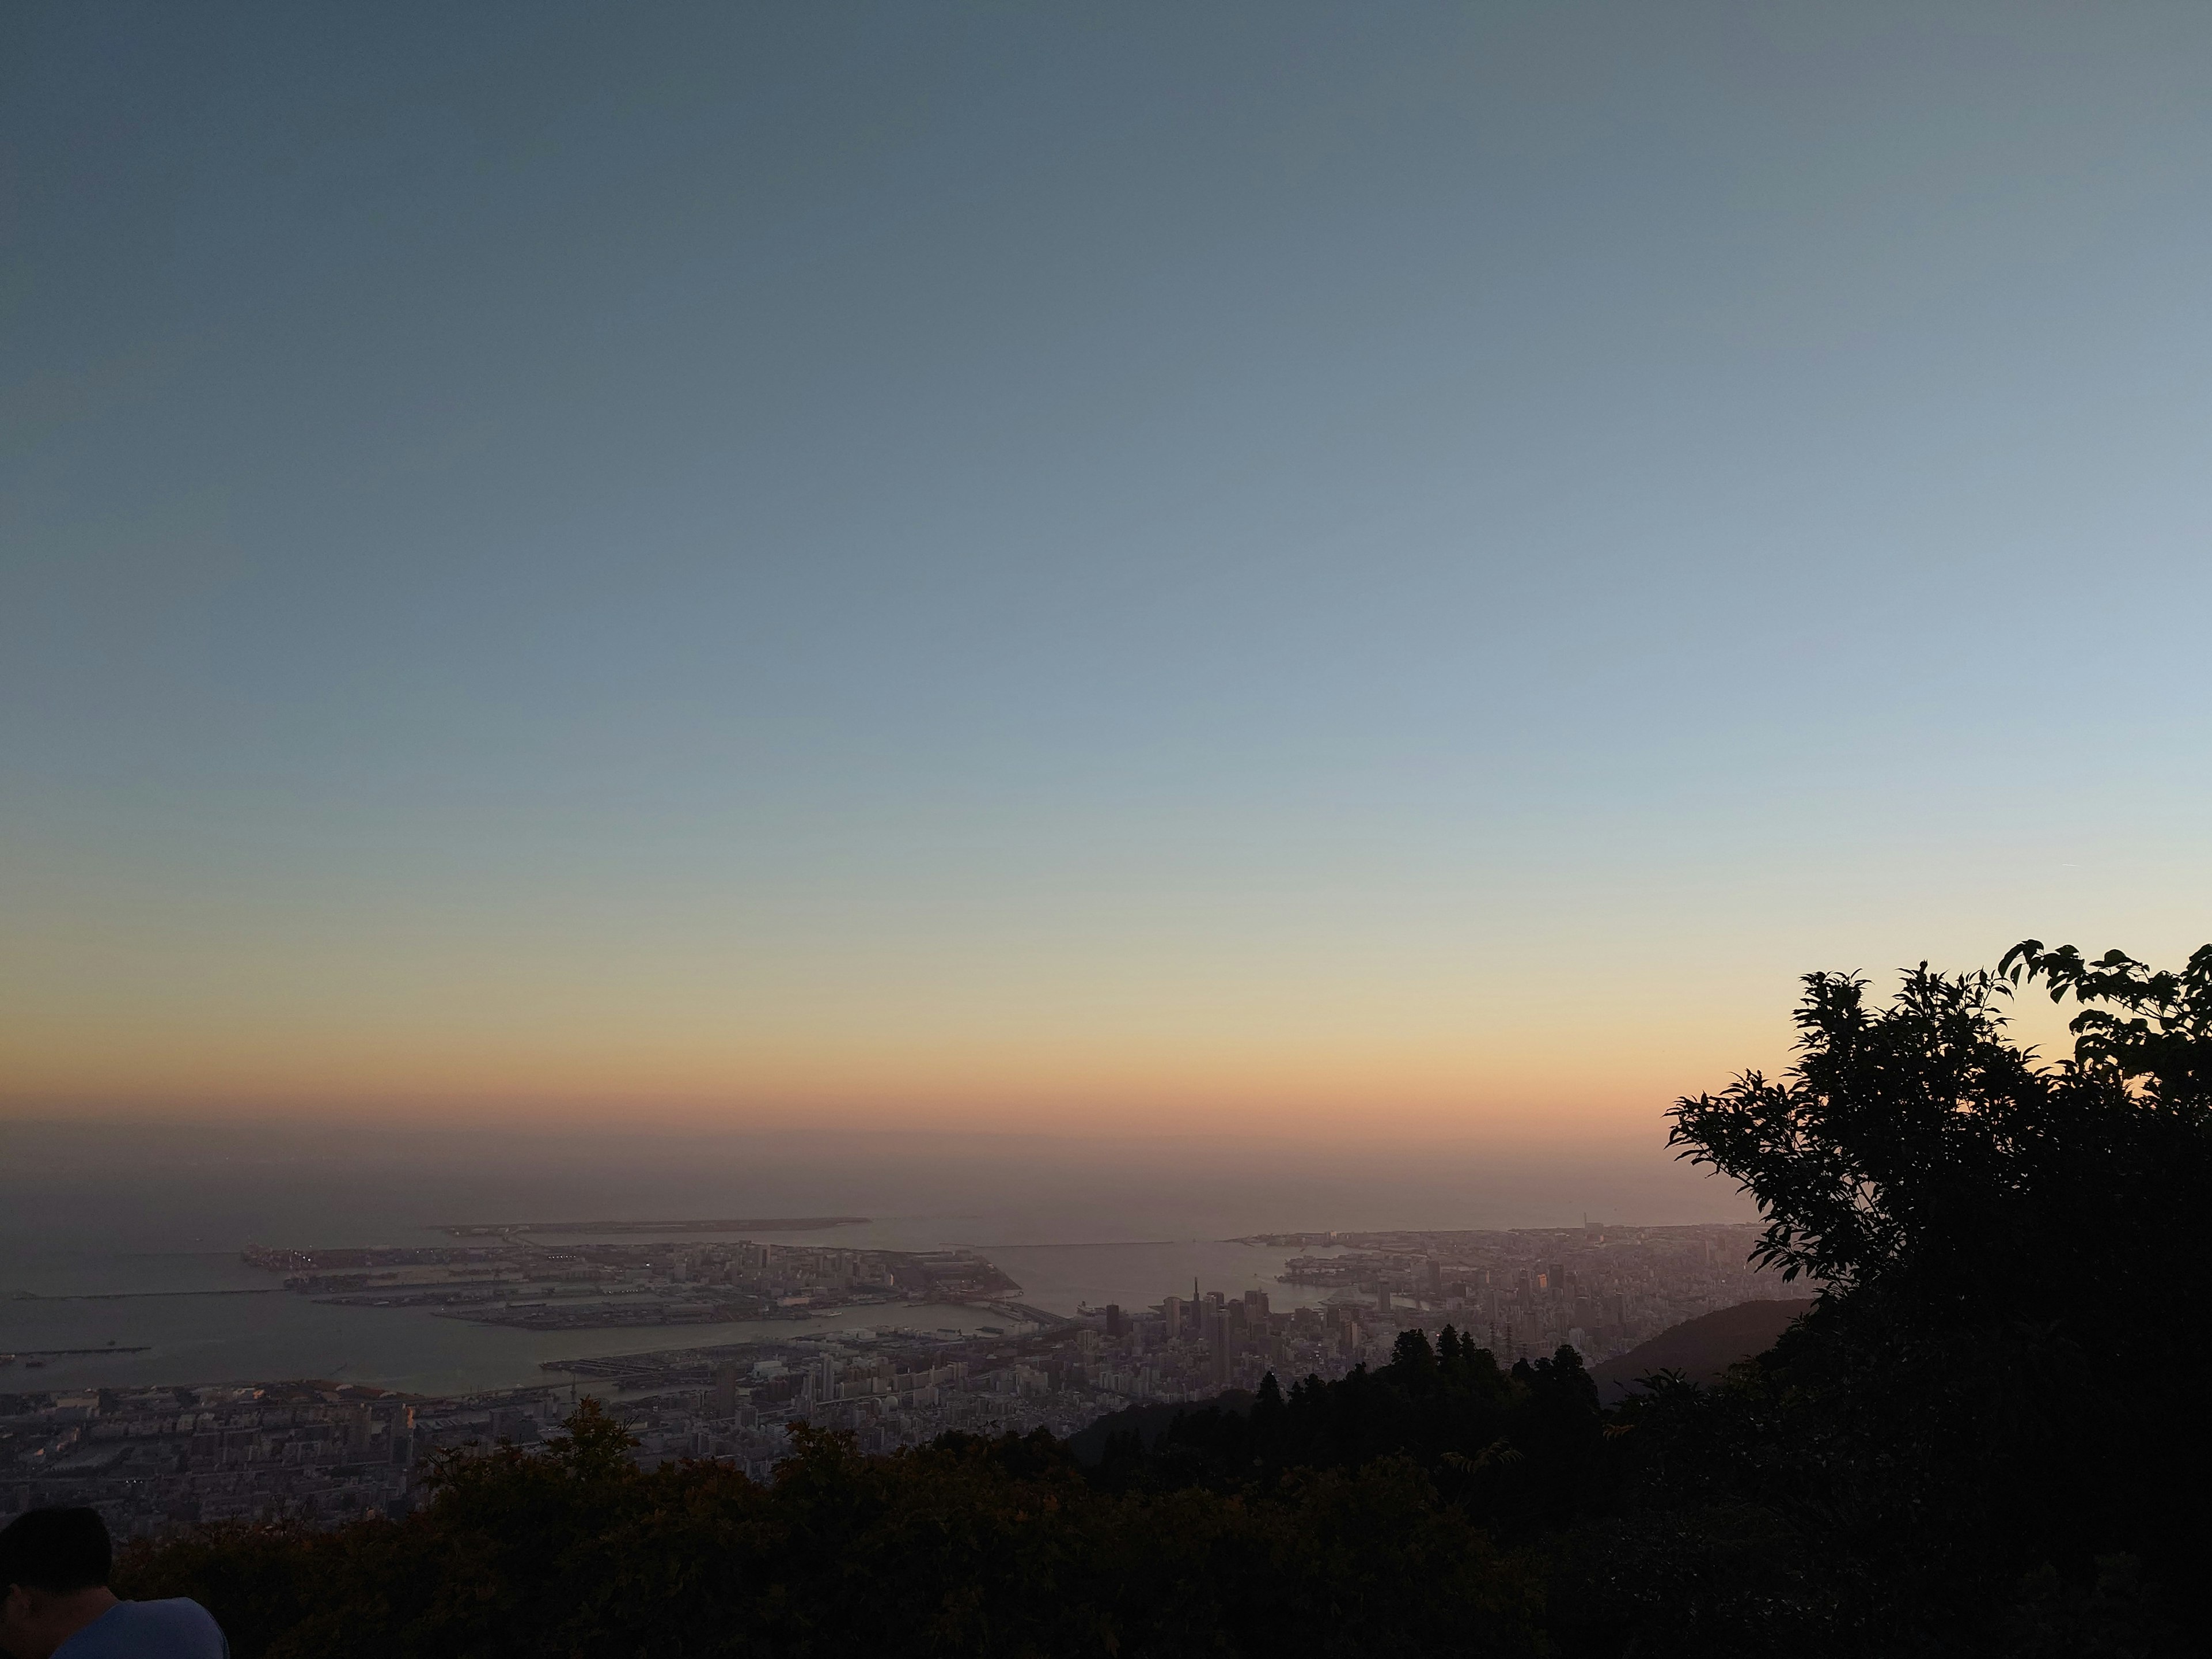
{"x":1383,"y":571}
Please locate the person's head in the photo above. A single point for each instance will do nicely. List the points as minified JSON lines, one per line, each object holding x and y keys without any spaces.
{"x":53,"y":1573}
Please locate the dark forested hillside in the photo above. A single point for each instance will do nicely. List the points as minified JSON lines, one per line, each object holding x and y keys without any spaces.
{"x":1980,"y":1440}
{"x":1702,"y":1349}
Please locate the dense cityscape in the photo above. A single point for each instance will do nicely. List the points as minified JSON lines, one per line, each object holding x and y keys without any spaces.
{"x":155,"y":1459}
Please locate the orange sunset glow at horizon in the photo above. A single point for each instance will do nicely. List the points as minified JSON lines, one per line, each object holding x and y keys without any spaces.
{"x":1173,"y":586}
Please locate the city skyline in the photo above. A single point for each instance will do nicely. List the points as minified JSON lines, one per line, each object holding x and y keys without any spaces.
{"x":161,"y":1457}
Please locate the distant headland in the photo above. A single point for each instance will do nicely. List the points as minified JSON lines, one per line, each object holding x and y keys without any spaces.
{"x":800,"y":1223}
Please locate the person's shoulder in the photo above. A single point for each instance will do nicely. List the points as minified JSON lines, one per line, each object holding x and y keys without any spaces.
{"x":178,"y":1629}
{"x":179,"y":1612}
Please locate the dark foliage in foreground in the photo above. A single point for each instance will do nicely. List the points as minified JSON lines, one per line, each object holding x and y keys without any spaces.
{"x":967,"y":1547}
{"x":1981,"y":1440}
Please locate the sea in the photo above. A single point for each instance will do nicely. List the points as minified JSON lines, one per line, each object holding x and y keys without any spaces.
{"x":120,"y":1243}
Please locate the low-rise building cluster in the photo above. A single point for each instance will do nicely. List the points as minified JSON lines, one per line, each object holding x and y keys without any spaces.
{"x":155,"y":1459}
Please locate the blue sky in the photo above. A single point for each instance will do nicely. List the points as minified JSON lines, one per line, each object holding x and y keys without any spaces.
{"x":953,"y":559}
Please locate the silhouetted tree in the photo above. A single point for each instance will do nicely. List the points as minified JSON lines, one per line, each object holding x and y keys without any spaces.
{"x":1994,"y":1376}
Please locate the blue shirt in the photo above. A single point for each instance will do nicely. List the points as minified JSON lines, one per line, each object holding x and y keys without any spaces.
{"x":149,"y":1630}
